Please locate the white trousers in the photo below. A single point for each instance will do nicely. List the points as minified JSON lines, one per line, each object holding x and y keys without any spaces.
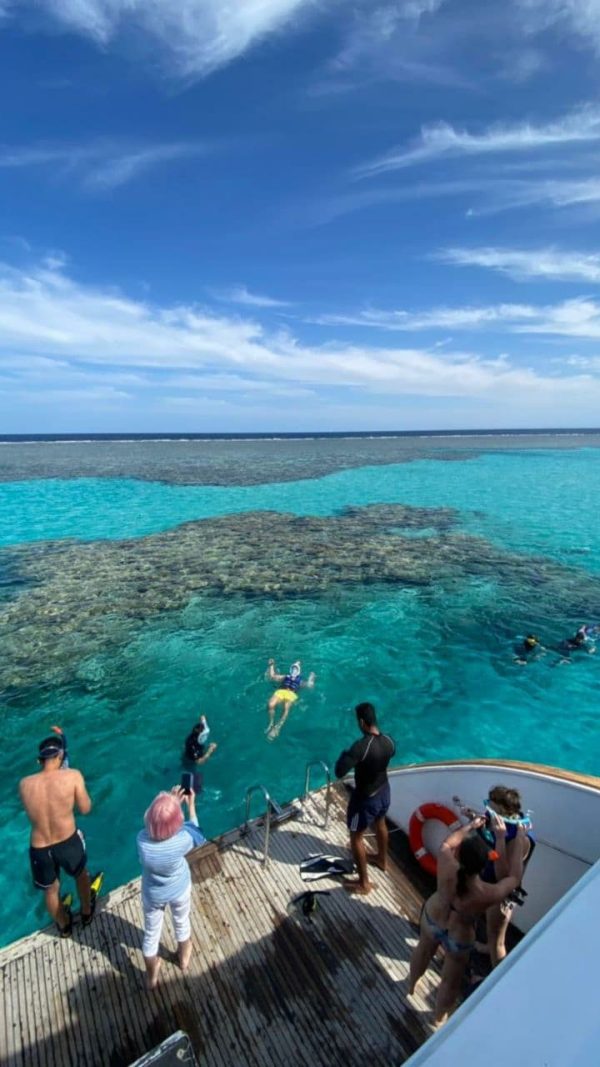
{"x":153,"y":921}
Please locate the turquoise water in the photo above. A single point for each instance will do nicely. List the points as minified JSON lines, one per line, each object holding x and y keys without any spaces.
{"x":435,"y":659}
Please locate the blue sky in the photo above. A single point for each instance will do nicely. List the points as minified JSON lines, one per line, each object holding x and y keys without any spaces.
{"x":272,"y":215}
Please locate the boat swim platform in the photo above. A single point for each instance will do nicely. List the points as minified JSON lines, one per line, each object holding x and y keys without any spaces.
{"x":266,"y":984}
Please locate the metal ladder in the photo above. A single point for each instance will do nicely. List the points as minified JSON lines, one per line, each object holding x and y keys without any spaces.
{"x":309,"y":767}
{"x":275,"y":813}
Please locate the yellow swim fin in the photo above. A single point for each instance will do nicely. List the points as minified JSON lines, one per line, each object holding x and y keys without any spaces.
{"x":95,"y":887}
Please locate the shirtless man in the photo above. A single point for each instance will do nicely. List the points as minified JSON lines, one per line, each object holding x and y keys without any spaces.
{"x":49,"y":798}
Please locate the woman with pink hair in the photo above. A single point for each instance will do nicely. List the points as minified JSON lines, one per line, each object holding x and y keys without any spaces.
{"x":162,"y":846}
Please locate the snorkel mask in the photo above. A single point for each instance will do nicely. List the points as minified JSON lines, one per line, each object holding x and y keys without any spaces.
{"x":295,"y":670}
{"x":204,"y":731}
{"x":512,"y":820}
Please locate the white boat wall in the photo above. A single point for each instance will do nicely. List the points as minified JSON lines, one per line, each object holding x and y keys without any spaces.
{"x":565,"y":813}
{"x":539,"y":1008}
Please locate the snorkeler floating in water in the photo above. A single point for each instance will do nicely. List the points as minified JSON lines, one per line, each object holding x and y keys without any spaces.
{"x":287,"y":694}
{"x":197,"y":751}
{"x":581,"y":641}
{"x":530,"y":648}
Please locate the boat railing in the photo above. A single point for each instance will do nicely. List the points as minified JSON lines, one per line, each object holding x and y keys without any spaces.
{"x":309,"y":768}
{"x":268,"y":812}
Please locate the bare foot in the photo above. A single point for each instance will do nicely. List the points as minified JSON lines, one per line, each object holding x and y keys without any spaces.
{"x":152,"y":969}
{"x":357,"y":887}
{"x":373,"y":858}
{"x":184,"y":954}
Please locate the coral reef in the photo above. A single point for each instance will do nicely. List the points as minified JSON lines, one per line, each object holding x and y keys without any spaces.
{"x":73,"y":600}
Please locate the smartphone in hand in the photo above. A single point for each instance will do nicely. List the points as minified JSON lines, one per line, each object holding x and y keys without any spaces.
{"x":187,"y":782}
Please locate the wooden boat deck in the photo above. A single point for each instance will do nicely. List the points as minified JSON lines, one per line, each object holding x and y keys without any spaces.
{"x":266,"y":985}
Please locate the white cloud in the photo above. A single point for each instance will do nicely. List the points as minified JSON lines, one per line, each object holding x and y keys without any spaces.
{"x":101,"y":164}
{"x":195,"y":36}
{"x":444,"y":318}
{"x":550,"y":263}
{"x":579,"y":317}
{"x":581,"y":16}
{"x":577,"y":127}
{"x":239,"y":294}
{"x":106,"y":337}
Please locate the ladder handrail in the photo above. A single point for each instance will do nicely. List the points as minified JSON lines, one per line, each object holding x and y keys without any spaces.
{"x":267,"y":796}
{"x":309,"y":766}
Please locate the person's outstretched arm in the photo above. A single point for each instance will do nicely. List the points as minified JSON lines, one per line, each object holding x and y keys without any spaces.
{"x":202,"y":759}
{"x":310,"y":681}
{"x":453,"y":840}
{"x":272,"y":672}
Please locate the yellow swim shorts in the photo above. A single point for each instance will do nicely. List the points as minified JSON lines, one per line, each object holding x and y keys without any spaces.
{"x":287,"y":695}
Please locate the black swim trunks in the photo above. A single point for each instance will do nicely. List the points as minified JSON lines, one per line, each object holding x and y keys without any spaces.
{"x":46,"y":863}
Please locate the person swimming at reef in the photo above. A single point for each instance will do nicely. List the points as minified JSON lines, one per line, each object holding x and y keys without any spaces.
{"x":286,"y":694}
{"x":581,"y":641}
{"x":196,"y":751}
{"x":528,"y":649}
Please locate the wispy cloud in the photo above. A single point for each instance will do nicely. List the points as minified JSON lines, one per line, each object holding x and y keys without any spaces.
{"x":239,"y":294}
{"x":580,"y":16}
{"x":98,"y":165}
{"x":444,"y":318}
{"x":522,"y":264}
{"x":194,"y":37}
{"x":579,"y":317}
{"x":442,"y":139}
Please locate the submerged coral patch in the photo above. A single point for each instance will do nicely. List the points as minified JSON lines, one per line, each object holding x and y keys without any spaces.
{"x":81,"y":599}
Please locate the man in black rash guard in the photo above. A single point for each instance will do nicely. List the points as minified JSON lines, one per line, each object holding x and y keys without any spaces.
{"x":370,"y":797}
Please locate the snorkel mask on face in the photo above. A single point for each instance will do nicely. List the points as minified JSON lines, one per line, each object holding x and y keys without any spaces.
{"x":295,"y":669}
{"x":513,"y":820}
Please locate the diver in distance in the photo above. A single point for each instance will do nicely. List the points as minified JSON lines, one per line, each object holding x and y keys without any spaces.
{"x":581,"y":641}
{"x":529,"y":649}
{"x":286,"y":694}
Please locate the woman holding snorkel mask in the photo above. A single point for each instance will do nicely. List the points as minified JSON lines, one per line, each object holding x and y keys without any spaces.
{"x":507,"y":804}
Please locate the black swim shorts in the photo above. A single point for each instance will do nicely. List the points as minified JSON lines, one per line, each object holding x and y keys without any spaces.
{"x":46,"y":863}
{"x":362,"y":811}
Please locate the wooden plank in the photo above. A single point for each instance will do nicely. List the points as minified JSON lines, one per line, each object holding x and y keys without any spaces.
{"x":342,"y":911}
{"x":264,"y":987}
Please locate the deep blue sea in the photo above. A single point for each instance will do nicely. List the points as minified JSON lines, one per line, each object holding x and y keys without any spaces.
{"x":432,"y":649}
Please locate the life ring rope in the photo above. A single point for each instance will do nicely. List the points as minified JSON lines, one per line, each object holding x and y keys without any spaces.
{"x":419,"y":817}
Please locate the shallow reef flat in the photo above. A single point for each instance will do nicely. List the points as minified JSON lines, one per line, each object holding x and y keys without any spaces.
{"x":222,"y":462}
{"x":71,"y":600}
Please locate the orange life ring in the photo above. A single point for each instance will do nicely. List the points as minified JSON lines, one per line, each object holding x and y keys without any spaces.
{"x":415,"y":832}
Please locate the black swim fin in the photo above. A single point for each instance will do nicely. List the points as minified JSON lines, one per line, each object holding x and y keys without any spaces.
{"x":67,"y":903}
{"x":324,"y":866}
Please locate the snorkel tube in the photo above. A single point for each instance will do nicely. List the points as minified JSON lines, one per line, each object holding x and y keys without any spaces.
{"x":63,"y":737}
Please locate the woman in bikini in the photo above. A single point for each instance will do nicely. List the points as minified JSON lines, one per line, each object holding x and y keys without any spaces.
{"x":449,"y":916}
{"x":506,"y":803}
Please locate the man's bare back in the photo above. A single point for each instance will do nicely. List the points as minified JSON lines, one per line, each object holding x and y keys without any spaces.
{"x":49,"y":798}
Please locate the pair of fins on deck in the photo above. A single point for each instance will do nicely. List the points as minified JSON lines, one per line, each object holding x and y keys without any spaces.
{"x":67,"y":903}
{"x":322,"y":865}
